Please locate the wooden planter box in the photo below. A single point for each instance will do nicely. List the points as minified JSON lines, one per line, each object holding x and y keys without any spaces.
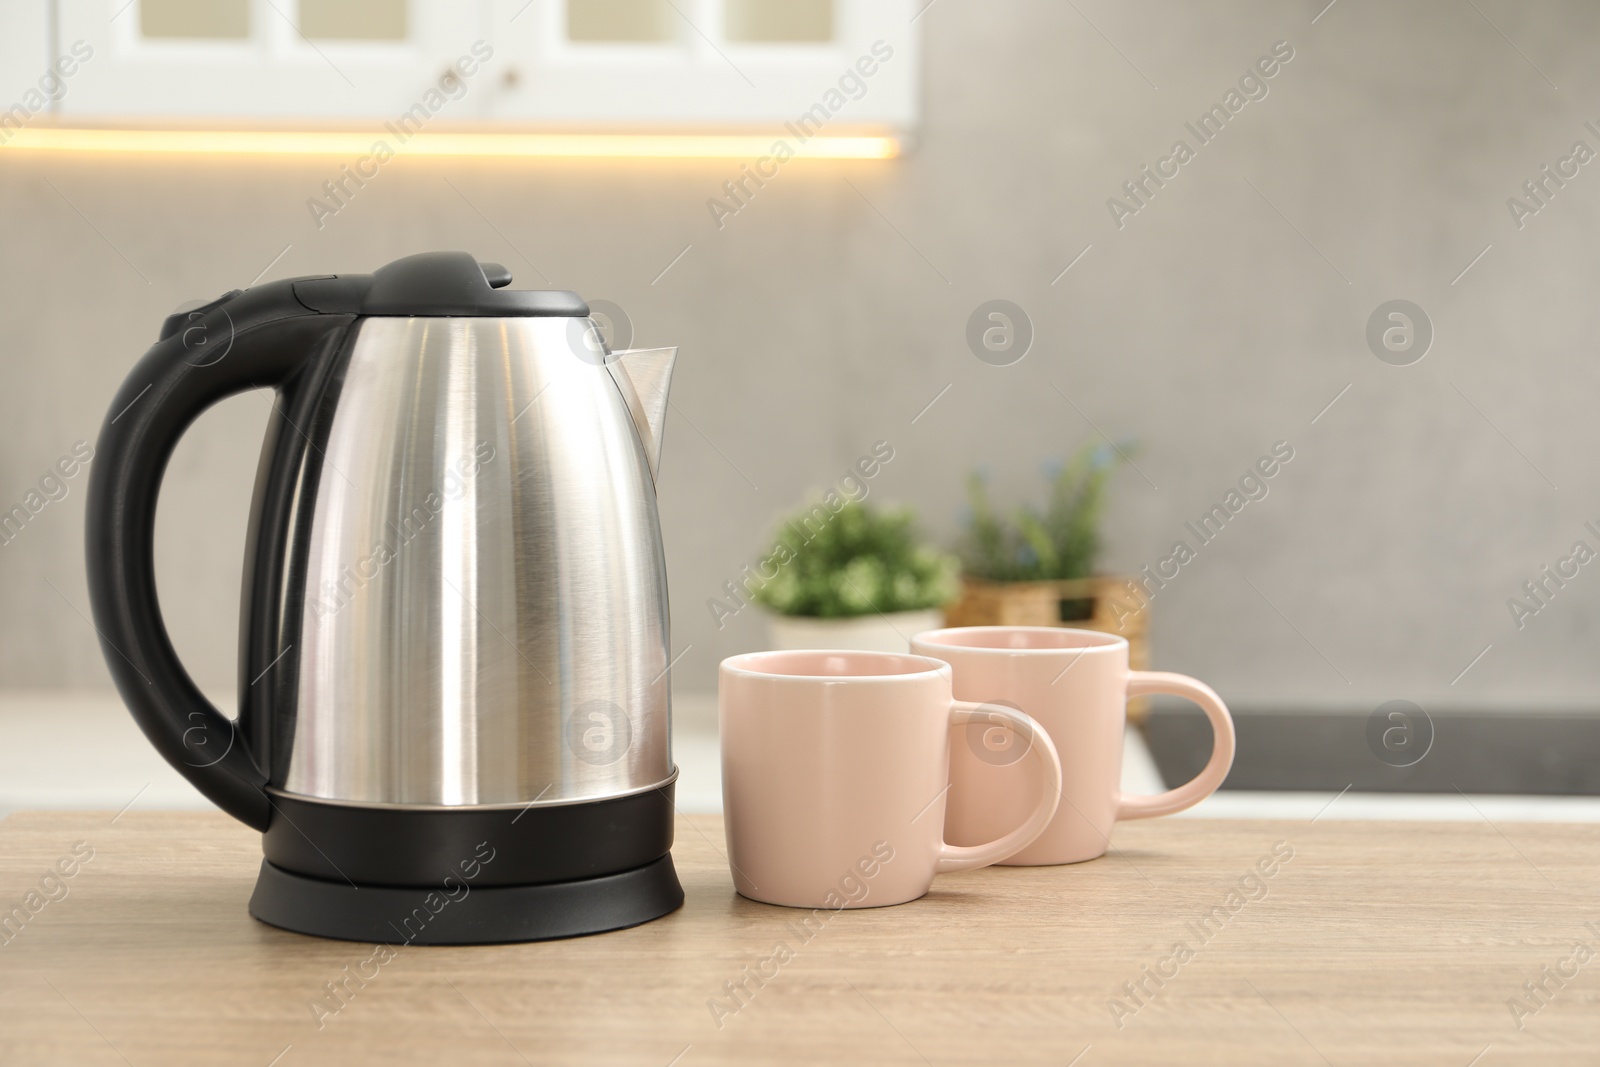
{"x":1081,"y":603}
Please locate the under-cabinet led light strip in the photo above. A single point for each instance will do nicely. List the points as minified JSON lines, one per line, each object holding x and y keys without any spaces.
{"x":509,"y":145}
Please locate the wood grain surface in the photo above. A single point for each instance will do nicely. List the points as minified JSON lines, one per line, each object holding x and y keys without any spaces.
{"x":1374,"y":942}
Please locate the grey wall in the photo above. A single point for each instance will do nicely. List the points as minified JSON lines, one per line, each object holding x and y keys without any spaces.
{"x":1222,"y":318}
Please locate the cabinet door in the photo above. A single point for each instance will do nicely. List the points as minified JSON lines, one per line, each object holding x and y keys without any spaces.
{"x":279,"y":62}
{"x":695,"y":63}
{"x":33,"y":90}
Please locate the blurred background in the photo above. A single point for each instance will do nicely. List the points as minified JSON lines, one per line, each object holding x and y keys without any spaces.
{"x":1182,"y":315}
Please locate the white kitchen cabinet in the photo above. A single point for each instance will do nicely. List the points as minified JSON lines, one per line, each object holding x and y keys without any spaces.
{"x":569,"y":65}
{"x":31,"y":90}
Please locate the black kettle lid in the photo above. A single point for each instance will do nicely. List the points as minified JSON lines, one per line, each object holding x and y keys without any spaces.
{"x":435,"y":283}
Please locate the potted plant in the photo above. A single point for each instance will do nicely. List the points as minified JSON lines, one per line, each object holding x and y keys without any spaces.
{"x":1037,"y":566}
{"x":857,"y":577}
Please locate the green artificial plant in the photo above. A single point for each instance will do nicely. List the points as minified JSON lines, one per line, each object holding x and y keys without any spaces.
{"x":1060,"y":542}
{"x":860,"y":560}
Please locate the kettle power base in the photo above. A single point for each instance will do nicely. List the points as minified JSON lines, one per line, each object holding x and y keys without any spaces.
{"x":423,"y":915}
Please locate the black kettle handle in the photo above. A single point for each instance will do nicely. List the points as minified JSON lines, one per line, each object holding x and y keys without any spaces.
{"x":260,"y":338}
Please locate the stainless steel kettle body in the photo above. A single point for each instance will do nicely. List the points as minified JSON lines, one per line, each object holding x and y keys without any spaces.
{"x":484,"y":603}
{"x":454,"y":654}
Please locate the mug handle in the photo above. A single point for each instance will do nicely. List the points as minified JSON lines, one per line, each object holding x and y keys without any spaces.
{"x":1202,"y":785}
{"x":966,"y":857}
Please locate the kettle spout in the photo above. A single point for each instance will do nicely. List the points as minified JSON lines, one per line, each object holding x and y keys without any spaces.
{"x":644,"y":375}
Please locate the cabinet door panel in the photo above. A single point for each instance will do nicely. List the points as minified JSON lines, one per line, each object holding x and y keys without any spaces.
{"x":718,"y":66}
{"x":33,"y":89}
{"x":180,"y":61}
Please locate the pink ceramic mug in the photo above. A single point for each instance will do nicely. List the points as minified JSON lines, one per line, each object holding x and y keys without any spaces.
{"x":1077,"y":684}
{"x":835,"y":767}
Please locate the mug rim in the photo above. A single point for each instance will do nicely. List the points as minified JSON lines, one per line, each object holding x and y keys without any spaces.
{"x":1102,"y":641}
{"x":738,"y":665}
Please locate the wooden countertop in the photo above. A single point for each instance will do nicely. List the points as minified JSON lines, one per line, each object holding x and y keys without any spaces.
{"x":1392,"y":943}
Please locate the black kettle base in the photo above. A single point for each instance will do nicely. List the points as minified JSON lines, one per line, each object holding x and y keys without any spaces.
{"x":462,"y":915}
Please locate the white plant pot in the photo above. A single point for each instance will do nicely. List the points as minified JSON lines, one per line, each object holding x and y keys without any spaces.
{"x":863,"y":633}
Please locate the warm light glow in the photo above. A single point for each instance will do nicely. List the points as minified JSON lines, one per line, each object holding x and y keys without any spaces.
{"x":548,"y":145}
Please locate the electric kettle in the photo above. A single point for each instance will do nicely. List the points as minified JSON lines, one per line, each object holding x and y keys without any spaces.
{"x":454,"y":714}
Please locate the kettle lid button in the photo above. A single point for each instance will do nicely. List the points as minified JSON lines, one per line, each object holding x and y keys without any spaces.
{"x":455,"y":283}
